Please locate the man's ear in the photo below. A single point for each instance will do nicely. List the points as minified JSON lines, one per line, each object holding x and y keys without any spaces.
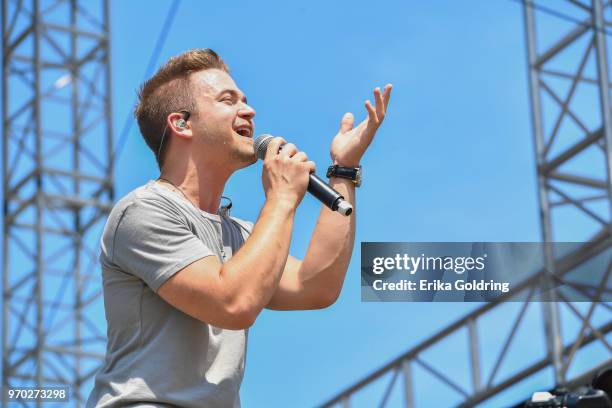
{"x":178,"y":124}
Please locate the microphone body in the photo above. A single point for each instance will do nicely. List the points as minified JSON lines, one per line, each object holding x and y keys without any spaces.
{"x":317,"y":187}
{"x":327,"y":195}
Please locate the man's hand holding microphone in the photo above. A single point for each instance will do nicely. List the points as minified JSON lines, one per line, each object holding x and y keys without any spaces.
{"x":286,"y":172}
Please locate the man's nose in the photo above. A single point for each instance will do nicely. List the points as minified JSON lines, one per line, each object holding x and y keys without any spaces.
{"x":246,"y":111}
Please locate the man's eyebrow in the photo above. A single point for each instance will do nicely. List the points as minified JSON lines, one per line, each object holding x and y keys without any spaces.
{"x":234,"y":94}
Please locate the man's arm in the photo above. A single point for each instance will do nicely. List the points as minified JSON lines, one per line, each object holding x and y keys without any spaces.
{"x":316,"y":281}
{"x":231,"y":295}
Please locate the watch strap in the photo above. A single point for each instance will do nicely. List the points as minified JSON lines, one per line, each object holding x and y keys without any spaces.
{"x":351,"y":173}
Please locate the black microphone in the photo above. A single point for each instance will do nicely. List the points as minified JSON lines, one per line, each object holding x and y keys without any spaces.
{"x":317,"y":187}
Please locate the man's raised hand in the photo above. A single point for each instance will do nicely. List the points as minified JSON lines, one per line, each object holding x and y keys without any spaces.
{"x":350,"y":143}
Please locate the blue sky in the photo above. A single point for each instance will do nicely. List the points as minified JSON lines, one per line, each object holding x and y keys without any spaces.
{"x":453,"y":161}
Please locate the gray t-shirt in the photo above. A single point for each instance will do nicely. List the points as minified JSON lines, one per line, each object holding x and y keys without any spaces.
{"x":158,"y":356}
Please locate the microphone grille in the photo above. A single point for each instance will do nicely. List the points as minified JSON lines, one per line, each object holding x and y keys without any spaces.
{"x":260,"y":146}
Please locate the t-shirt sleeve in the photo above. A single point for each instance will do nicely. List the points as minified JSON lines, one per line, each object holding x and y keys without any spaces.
{"x":153,"y":242}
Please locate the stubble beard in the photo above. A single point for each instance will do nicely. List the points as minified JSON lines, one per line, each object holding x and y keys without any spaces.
{"x":237,"y":151}
{"x":244,"y":155}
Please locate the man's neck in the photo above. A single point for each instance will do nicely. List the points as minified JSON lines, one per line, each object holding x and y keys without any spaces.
{"x":203,"y":185}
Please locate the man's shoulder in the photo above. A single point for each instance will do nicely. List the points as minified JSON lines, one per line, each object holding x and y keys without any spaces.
{"x":137,"y":212}
{"x":138,"y":206}
{"x":241,"y":221}
{"x":143,"y":197}
{"x":246,"y":226}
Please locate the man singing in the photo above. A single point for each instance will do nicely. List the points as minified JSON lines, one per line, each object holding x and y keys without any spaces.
{"x":183,"y":281}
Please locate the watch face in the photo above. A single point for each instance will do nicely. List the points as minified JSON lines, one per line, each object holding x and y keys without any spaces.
{"x":358,"y":176}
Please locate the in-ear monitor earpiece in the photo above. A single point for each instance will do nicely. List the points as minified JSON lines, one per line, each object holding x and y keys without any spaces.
{"x":181,"y":123}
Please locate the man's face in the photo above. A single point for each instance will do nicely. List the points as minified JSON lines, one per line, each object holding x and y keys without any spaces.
{"x":223,"y":122}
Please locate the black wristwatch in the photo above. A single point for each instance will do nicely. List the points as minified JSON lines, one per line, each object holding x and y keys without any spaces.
{"x":351,"y":173}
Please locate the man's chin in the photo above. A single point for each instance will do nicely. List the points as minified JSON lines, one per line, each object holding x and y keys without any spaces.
{"x":252,"y":158}
{"x":249,"y":161}
{"x":246,"y":157}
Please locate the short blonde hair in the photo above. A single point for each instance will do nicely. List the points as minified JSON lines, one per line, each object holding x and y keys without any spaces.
{"x":169,"y":90}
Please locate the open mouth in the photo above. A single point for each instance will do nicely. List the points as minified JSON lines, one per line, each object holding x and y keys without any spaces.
{"x":244,"y":132}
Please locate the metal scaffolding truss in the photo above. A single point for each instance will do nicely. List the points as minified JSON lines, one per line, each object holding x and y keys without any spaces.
{"x":572,"y":128}
{"x":57,"y":190}
{"x":487,"y":338}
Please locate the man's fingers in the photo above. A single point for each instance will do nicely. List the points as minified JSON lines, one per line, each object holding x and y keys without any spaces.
{"x":288,"y":150}
{"x":274,"y":146}
{"x":380,"y":105}
{"x":372,"y":119}
{"x":387,"y":95}
{"x":300,"y":156}
{"x":312,"y":168}
{"x":347,"y":122}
